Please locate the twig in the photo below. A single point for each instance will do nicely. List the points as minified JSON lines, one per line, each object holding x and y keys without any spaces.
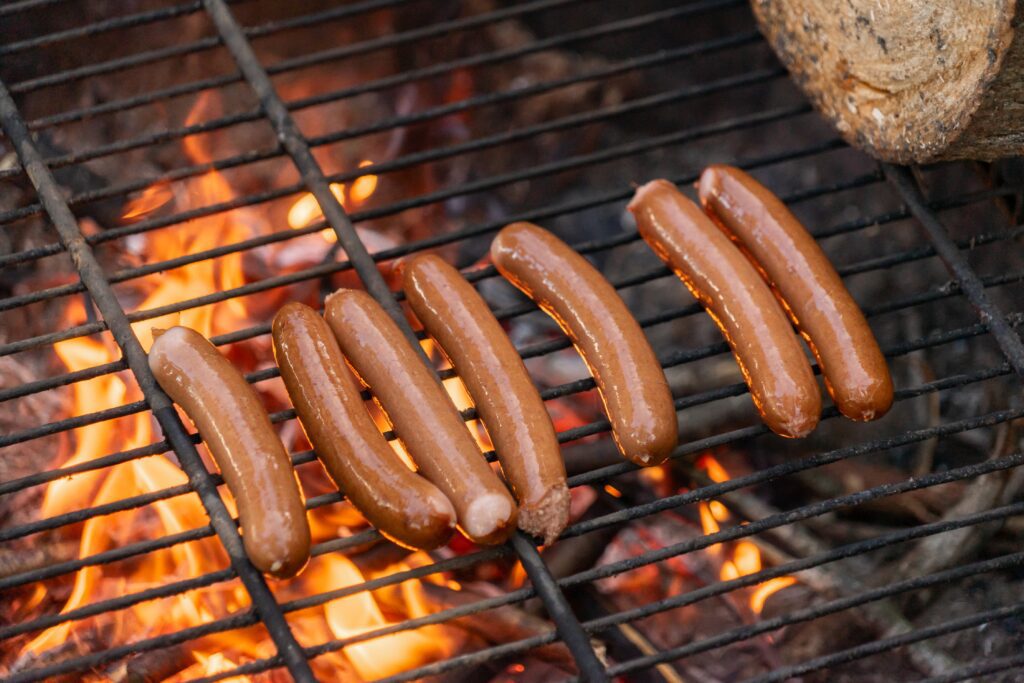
{"x":153,"y":667}
{"x":14,"y":562}
{"x":935,"y":553}
{"x":83,"y":641}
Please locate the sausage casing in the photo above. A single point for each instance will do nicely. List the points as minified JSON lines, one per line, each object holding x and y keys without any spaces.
{"x":237,"y":430}
{"x":856,"y":374}
{"x":422,"y":415}
{"x":506,"y":399}
{"x":404,"y":506}
{"x":767,"y":349}
{"x":629,"y":377}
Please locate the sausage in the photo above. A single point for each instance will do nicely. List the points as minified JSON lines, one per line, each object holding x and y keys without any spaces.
{"x":237,"y":430}
{"x":629,"y":377}
{"x":766,"y":348}
{"x":505,"y":397}
{"x":856,"y":374}
{"x":422,"y":415}
{"x":404,"y":506}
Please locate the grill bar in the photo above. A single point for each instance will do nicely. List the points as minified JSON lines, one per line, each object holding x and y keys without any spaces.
{"x":695,"y":133}
{"x":884,"y":644}
{"x":569,"y":628}
{"x":491,"y":99}
{"x":969,"y":282}
{"x":356,"y":49}
{"x":22,"y":5}
{"x":157,"y":96}
{"x":122,"y":553}
{"x":825,"y":609}
{"x":160,"y":54}
{"x":436,"y":154}
{"x":91,"y":273}
{"x":314,"y":178}
{"x":986,"y":666}
{"x":100,"y":27}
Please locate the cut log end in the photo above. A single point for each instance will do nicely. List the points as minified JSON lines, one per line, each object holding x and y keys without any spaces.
{"x":907,"y":80}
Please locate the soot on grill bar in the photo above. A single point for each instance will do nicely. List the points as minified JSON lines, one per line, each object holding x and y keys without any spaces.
{"x":203,"y":164}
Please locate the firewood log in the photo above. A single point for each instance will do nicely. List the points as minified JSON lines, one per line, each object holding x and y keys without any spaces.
{"x":908,"y":80}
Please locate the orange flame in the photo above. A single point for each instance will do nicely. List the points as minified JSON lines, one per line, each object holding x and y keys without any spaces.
{"x":765,"y":590}
{"x":223,"y":652}
{"x":306,"y":210}
{"x":359,"y":613}
{"x":152,"y":198}
{"x":459,"y":394}
{"x":745,"y":558}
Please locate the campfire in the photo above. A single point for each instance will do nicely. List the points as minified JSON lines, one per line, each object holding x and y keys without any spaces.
{"x":744,"y":557}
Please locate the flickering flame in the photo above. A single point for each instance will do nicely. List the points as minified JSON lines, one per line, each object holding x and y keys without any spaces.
{"x":765,"y":590}
{"x":745,"y":557}
{"x":152,"y":198}
{"x":710,"y":526}
{"x":460,"y":395}
{"x":356,"y":614}
{"x":306,"y":209}
{"x":223,"y":652}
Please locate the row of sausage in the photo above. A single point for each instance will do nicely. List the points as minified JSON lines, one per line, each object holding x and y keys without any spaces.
{"x":745,"y":258}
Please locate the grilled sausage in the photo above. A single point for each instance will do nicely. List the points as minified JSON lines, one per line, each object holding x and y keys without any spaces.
{"x":505,"y":397}
{"x":741,"y":304}
{"x":236,"y":429}
{"x":422,"y":415}
{"x":855,"y":371}
{"x":403,"y":506}
{"x":629,"y":377}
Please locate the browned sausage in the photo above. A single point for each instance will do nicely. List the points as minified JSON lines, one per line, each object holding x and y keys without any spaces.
{"x":403,"y":506}
{"x":854,"y":368}
{"x":629,"y":377}
{"x":741,"y":304}
{"x":422,"y":414}
{"x":505,"y":397}
{"x":236,"y":429}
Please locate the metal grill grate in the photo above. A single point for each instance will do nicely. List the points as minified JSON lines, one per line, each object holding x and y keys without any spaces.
{"x":969,"y":310}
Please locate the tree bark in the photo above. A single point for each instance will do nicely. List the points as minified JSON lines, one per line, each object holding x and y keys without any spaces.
{"x":908,"y":81}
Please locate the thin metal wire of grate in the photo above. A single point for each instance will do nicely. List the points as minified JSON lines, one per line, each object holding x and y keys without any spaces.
{"x":570,"y":629}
